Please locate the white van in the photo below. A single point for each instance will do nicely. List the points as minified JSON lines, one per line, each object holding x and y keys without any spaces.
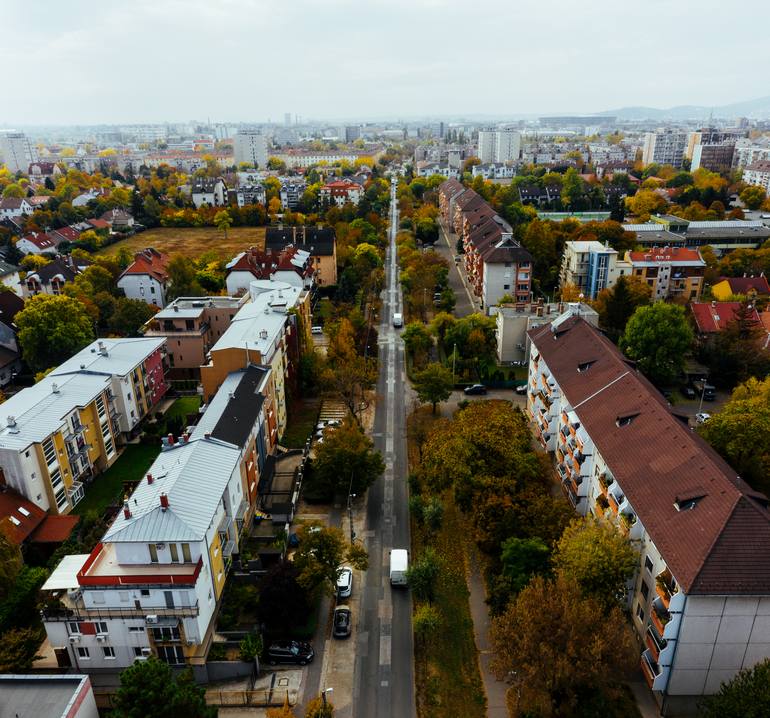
{"x":398,"y":320}
{"x":399,"y":563}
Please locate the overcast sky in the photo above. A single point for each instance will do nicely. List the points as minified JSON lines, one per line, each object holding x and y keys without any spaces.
{"x":89,"y":62}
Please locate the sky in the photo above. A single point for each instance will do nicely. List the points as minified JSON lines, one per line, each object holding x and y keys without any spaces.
{"x":109,"y":61}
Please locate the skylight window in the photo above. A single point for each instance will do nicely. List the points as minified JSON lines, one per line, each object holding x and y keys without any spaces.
{"x":625,"y":419}
{"x":688,"y":500}
{"x":586,"y":365}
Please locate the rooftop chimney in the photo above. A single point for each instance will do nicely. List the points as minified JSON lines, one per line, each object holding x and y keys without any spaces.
{"x":126,"y":510}
{"x":163,"y":501}
{"x":55,"y":388}
{"x":102,"y":348}
{"x":170,"y":439}
{"x":149,"y":478}
{"x":11,"y":421}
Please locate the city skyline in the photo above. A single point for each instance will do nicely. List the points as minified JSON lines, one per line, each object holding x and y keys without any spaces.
{"x":249,"y":60}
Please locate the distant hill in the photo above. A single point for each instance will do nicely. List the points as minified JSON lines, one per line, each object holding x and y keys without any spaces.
{"x":756,"y":109}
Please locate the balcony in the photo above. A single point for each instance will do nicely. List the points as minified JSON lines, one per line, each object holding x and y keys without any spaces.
{"x":602,"y":504}
{"x":659,"y":617}
{"x":80,"y":613}
{"x":665,"y":587}
{"x":654,"y":642}
{"x":614,"y":502}
{"x":650,"y":668}
{"x":604,"y":482}
{"x":627,"y":521}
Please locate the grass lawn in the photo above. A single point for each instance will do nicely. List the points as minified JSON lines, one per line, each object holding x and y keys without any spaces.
{"x":192,"y":241}
{"x":301,"y":422}
{"x":183,"y":406}
{"x":447,"y":677}
{"x":106,"y":488}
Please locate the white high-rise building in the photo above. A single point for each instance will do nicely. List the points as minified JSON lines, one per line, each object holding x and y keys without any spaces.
{"x":250,"y":147}
{"x":17,"y":151}
{"x":499,"y":146}
{"x":665,"y":148}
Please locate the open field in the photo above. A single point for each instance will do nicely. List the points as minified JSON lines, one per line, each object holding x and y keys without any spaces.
{"x":192,"y":241}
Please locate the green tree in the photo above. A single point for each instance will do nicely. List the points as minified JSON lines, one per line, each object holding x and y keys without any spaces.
{"x":346,"y":458}
{"x":223,"y":221}
{"x":426,"y":622}
{"x":250,"y":647}
{"x":434,"y":384}
{"x":572,"y":190}
{"x":540,"y":241}
{"x":18,"y":649}
{"x":10,"y":558}
{"x":14,"y":191}
{"x":51,"y":329}
{"x":417,"y":341}
{"x":617,"y":304}
{"x":322,"y":553}
{"x":740,"y":432}
{"x":745,"y":696}
{"x":752,"y":196}
{"x":658,"y":338}
{"x":554,"y":677}
{"x":422,"y":576}
{"x":129,"y":316}
{"x":597,"y":558}
{"x":148,"y":689}
{"x":183,"y":281}
{"x":522,"y":559}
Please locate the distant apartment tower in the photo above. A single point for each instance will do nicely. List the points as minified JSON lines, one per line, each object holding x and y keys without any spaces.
{"x":665,"y":147}
{"x":499,"y":145}
{"x":352,"y":133}
{"x":711,"y":149}
{"x":17,"y":151}
{"x":251,"y":148}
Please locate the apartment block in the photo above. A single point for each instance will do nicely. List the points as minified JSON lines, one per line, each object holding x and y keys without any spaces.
{"x":665,"y":147}
{"x":501,"y":145}
{"x":700,"y":597}
{"x":758,"y":173}
{"x":591,"y":266}
{"x":319,"y":242}
{"x":17,"y":151}
{"x":670,"y":272}
{"x":291,"y":265}
{"x":250,"y":148}
{"x":62,"y":432}
{"x":191,"y":326}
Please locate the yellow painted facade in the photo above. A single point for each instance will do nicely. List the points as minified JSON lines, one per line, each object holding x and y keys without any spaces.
{"x":217,"y":566}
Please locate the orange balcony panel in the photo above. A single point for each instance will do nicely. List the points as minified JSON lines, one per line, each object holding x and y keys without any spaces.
{"x":657,"y":622}
{"x":613,"y":503}
{"x":649,"y":676}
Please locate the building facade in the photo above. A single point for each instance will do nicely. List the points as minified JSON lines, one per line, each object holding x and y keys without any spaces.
{"x":670,"y":272}
{"x":18,"y":152}
{"x":250,"y":148}
{"x":591,"y":266}
{"x":665,"y":147}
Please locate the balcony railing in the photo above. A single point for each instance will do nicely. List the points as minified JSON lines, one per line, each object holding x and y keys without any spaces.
{"x":659,"y":617}
{"x":614,"y":502}
{"x":650,"y":668}
{"x":654,"y":642}
{"x":665,"y":588}
{"x":81,"y":613}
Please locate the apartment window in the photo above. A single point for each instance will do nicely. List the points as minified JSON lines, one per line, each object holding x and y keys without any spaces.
{"x":640,"y":612}
{"x":166,"y":633}
{"x":73,"y":626}
{"x":101,"y":627}
{"x":145,"y":592}
{"x":138,"y":651}
{"x":84,"y":653}
{"x":189,"y":324}
{"x":186,"y":553}
{"x":152,"y":289}
{"x":506,"y":286}
{"x":153,"y":553}
{"x":644,"y":589}
{"x":136,"y":629}
{"x":109,"y":652}
{"x":100,"y":406}
{"x":171,"y":654}
{"x":174,"y":553}
{"x":648,"y":563}
{"x":49,"y":451}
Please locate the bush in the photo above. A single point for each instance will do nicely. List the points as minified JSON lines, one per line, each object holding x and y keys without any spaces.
{"x":250,"y":647}
{"x":20,"y":607}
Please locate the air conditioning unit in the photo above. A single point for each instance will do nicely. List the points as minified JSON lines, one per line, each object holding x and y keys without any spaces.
{"x":146,"y":651}
{"x":75,"y":639}
{"x":101,"y":637}
{"x":151,"y":619}
{"x":140,"y":658}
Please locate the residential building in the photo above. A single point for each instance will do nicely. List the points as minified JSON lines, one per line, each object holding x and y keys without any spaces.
{"x":27,"y":524}
{"x":500,"y":145}
{"x":340,"y":192}
{"x":515,"y":320}
{"x":758,"y":173}
{"x":9,"y":276}
{"x":209,"y":192}
{"x":670,"y":272}
{"x":10,"y":356}
{"x":265,"y":332}
{"x":191,"y":326}
{"x":448,"y":192}
{"x":247,"y":194}
{"x":291,"y":192}
{"x":250,"y":147}
{"x":39,"y":170}
{"x":118,"y":219}
{"x":713,"y":317}
{"x":14,"y":208}
{"x":751,"y":287}
{"x":700,"y":596}
{"x":319,"y":242}
{"x":49,"y":279}
{"x":494,"y":170}
{"x":291,"y":265}
{"x":664,"y":147}
{"x":85,"y":197}
{"x":712,"y":149}
{"x":63,"y":431}
{"x":17,"y":151}
{"x":747,"y":153}
{"x":146,"y":278}
{"x":52,"y":696}
{"x":591,"y":266}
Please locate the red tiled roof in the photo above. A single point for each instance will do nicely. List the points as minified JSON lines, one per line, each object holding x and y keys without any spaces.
{"x":742,"y":285}
{"x":19,"y":515}
{"x":719,"y":546}
{"x":714,"y":317}
{"x":41,"y":240}
{"x":38,"y":200}
{"x":54,"y":529}
{"x":667,"y":254}
{"x":263,"y":264}
{"x":150,"y":262}
{"x":69,"y":234}
{"x":98,"y":223}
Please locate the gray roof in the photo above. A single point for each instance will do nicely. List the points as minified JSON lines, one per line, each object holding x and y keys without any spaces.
{"x":194,"y":476}
{"x":121,"y":356}
{"x":33,"y":695}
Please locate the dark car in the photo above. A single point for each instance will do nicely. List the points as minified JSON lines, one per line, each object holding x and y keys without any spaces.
{"x":689,"y":392}
{"x":342,"y":621}
{"x":475,"y":389}
{"x":290,"y":652}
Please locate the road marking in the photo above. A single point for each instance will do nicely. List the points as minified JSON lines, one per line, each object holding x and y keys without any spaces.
{"x":384,"y":650}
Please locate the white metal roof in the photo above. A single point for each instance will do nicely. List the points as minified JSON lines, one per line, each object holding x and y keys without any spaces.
{"x":194,"y":476}
{"x":64,"y":576}
{"x":118,"y":356}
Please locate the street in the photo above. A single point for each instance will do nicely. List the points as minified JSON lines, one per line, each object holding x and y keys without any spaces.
{"x":446,"y":247}
{"x":384,"y":677}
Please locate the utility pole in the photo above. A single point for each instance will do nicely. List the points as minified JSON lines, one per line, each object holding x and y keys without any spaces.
{"x":454,"y":356}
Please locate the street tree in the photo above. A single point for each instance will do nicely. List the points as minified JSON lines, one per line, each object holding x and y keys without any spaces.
{"x":417,"y":342}
{"x":553,"y":677}
{"x":322,"y":552}
{"x":51,"y":329}
{"x":426,"y":622}
{"x":615,"y":305}
{"x":422,"y":576}
{"x":658,"y":337}
{"x":745,"y":696}
{"x":345,"y":460}
{"x":597,"y":558}
{"x":434,"y":384}
{"x":148,"y":689}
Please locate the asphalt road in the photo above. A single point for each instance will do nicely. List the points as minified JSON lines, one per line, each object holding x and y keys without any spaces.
{"x":383,"y":684}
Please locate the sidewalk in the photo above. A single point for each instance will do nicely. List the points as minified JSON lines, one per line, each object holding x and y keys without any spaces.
{"x":495,"y":689}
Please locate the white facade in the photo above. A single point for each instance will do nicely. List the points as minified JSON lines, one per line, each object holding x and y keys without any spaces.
{"x":18,"y":152}
{"x":211,"y":193}
{"x":250,"y":147}
{"x":665,"y":148}
{"x":502,"y":145}
{"x":486,"y":152}
{"x":758,"y":174}
{"x":591,"y":267}
{"x":15,"y":208}
{"x":145,"y":288}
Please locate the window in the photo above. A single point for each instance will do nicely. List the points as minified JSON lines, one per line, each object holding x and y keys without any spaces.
{"x":109,"y":652}
{"x":136,"y":629}
{"x":138,"y":651}
{"x":506,"y":286}
{"x":153,"y":553}
{"x":186,"y":553}
{"x":189,"y":324}
{"x":84,"y":653}
{"x":145,"y":592}
{"x":49,"y":451}
{"x":644,"y":589}
{"x":73,"y":626}
{"x":171,"y":654}
{"x":648,"y":563}
{"x":101,"y":626}
{"x":640,"y":612}
{"x":174,"y":553}
{"x":152,"y":289}
{"x":166,"y":633}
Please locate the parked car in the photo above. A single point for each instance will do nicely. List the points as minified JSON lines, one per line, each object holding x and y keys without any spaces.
{"x":345,"y":582}
{"x":290,"y":652}
{"x":689,"y":392}
{"x":702,"y":417}
{"x":475,"y":389}
{"x":521,"y":390}
{"x":342,"y":621}
{"x":316,"y":330}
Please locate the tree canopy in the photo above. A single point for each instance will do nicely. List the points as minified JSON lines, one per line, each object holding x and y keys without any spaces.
{"x":745,"y":696}
{"x":434,"y":384}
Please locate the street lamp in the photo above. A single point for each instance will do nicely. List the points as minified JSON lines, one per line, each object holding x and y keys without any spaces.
{"x":323,"y":695}
{"x":454,"y":356}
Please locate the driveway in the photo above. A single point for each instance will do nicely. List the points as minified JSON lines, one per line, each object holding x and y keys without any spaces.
{"x":447,"y":248}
